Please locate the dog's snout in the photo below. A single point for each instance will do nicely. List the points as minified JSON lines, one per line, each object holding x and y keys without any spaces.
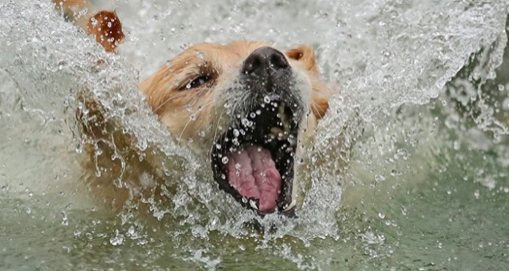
{"x":263,"y":61}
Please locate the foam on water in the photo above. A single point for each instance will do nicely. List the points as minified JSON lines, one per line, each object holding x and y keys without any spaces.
{"x":377,"y":56}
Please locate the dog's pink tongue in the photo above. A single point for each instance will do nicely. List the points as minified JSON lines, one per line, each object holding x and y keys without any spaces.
{"x":252,"y":172}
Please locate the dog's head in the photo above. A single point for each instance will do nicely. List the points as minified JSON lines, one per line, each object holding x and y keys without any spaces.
{"x":246,"y":107}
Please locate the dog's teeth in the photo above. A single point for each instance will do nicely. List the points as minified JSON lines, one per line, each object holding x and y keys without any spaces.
{"x":253,"y":204}
{"x":286,"y":126}
{"x":288,"y":207}
{"x":284,"y":118}
{"x":276,"y":131}
{"x":292,"y":140}
{"x":281,"y":112}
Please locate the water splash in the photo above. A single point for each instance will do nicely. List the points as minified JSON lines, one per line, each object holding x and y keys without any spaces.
{"x":377,"y":55}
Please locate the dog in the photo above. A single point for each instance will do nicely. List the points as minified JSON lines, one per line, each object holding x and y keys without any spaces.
{"x":245,"y":107}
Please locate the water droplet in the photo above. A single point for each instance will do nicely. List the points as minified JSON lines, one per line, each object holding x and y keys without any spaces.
{"x":131,"y":231}
{"x":246,"y":122}
{"x":403,"y":211}
{"x":456,"y":145}
{"x":236,"y":142}
{"x":266,"y":99}
{"x":477,"y":194}
{"x":224,"y":160}
{"x":236,"y":133}
{"x":387,"y":79}
{"x":379,"y":178}
{"x":200,"y":55}
{"x":381,"y":215}
{"x":117,"y":240}
{"x":65,"y":220}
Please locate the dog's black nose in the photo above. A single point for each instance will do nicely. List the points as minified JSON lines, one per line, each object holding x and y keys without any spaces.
{"x":265,"y":61}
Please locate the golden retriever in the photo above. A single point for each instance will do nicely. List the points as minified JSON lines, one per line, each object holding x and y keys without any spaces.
{"x":246,"y":107}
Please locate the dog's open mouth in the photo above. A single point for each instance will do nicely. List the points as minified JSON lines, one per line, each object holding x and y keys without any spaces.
{"x":254,"y":160}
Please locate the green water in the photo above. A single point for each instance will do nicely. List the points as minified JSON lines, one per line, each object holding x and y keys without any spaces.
{"x":439,"y":206}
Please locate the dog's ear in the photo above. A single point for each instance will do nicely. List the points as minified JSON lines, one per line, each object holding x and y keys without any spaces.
{"x":305,"y":56}
{"x":107,"y":29}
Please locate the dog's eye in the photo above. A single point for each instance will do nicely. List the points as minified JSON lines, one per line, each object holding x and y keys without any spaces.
{"x":198,"y":82}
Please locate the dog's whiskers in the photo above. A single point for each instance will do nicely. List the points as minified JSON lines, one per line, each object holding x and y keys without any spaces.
{"x":193,"y":117}
{"x":165,"y":102}
{"x":237,"y":103}
{"x":215,"y":131}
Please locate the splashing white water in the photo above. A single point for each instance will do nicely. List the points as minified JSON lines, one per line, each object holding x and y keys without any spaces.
{"x":377,"y":55}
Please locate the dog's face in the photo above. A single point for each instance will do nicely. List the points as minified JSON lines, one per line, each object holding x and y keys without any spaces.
{"x":246,"y":108}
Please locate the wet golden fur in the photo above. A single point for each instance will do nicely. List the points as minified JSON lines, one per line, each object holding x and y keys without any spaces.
{"x":176,"y":107}
{"x":186,"y":113}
